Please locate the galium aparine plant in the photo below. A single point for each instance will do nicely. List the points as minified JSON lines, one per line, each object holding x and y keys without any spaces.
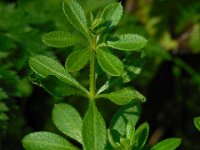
{"x":98,"y":50}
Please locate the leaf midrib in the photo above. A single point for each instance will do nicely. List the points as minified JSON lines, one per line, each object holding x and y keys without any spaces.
{"x":116,"y":71}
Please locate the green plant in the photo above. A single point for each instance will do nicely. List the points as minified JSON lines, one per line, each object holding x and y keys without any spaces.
{"x":197,"y":122}
{"x":96,"y":46}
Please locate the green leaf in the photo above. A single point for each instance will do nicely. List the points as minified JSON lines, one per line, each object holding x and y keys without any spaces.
{"x":167,"y":144}
{"x":68,"y":121}
{"x":60,"y":39}
{"x":46,"y":141}
{"x":75,"y":15}
{"x":109,"y":63}
{"x":3,"y":94}
{"x":123,"y":96}
{"x":3,"y":107}
{"x":128,"y":42}
{"x":44,"y":66}
{"x":93,"y":129}
{"x":197,"y":122}
{"x":59,"y":89}
{"x":140,"y":137}
{"x":77,"y":60}
{"x":112,"y":14}
{"x":132,"y":66}
{"x":128,"y":113}
{"x":54,"y":86}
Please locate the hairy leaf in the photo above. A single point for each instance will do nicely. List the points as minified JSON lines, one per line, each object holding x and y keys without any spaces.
{"x":140,"y":137}
{"x":123,"y":96}
{"x":128,"y":42}
{"x":75,"y":15}
{"x":128,"y":113}
{"x":44,"y":66}
{"x":60,"y":39}
{"x":167,"y":144}
{"x":112,"y":14}
{"x":197,"y":122}
{"x":109,"y":63}
{"x":77,"y":60}
{"x":93,"y":129}
{"x":46,"y":140}
{"x":68,"y":121}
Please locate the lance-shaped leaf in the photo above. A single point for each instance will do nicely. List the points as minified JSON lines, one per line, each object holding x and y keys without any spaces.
{"x":93,"y":129}
{"x":67,"y":120}
{"x":140,"y":137}
{"x":109,"y":63}
{"x":197,"y":122}
{"x":112,"y":14}
{"x":60,"y":39}
{"x":123,"y":96}
{"x":128,"y":42}
{"x":127,"y":114}
{"x":57,"y":88}
{"x":46,"y":140}
{"x":54,"y":86}
{"x":44,"y":66}
{"x":77,"y":60}
{"x":167,"y":144}
{"x":75,"y":15}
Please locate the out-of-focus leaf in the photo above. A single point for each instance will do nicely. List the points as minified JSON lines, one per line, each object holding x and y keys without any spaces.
{"x":140,"y":137}
{"x":167,"y":144}
{"x":197,"y":122}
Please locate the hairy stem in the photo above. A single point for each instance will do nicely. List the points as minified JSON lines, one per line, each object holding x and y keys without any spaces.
{"x":92,"y":74}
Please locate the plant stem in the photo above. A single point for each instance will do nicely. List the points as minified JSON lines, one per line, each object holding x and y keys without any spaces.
{"x":92,"y":74}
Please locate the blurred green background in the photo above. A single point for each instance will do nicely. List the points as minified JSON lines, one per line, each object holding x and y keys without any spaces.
{"x":170,"y":75}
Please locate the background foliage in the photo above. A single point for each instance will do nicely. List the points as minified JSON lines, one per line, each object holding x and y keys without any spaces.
{"x":169,"y":79}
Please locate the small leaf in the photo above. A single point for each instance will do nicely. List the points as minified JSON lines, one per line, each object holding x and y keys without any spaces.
{"x":140,"y":137}
{"x":112,"y":14}
{"x":127,"y":114}
{"x":75,"y":15}
{"x":197,"y":122}
{"x":128,"y":42}
{"x":77,"y":60}
{"x":110,"y":63}
{"x":46,"y":141}
{"x":93,"y":129}
{"x":44,"y":66}
{"x":68,"y":121}
{"x":123,"y":96}
{"x":60,"y":39}
{"x":167,"y":144}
